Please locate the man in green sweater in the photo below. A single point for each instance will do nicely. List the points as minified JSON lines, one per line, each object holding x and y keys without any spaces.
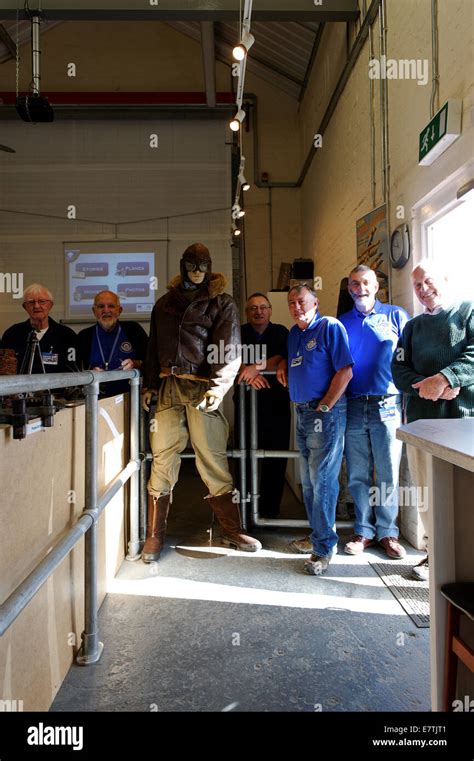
{"x":434,"y":365}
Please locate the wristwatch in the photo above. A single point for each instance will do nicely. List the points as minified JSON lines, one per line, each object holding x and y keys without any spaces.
{"x":325,"y":408}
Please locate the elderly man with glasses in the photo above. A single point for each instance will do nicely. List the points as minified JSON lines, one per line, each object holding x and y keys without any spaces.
{"x":264,"y":346}
{"x":57,"y":343}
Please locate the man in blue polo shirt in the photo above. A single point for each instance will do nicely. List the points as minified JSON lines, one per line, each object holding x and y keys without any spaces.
{"x":373,"y":415}
{"x":318,"y":371}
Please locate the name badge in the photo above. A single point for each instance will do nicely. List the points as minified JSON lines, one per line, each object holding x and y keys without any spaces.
{"x":296,"y":361}
{"x":49,"y":358}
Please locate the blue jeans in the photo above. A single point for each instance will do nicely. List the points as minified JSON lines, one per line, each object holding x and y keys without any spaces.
{"x":370,"y":441}
{"x":320,"y":439}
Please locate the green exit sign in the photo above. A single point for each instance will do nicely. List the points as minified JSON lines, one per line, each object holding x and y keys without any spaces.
{"x":442,"y":130}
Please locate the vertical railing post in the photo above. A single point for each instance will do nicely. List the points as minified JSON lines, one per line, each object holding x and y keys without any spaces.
{"x":254,"y":495}
{"x":144,"y":447}
{"x":91,"y":648}
{"x":243,"y":454}
{"x":134,"y":541}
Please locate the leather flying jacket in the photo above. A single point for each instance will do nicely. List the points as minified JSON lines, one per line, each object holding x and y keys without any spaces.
{"x":198,"y":339}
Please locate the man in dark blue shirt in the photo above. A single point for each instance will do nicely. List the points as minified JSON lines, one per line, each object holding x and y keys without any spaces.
{"x":57,"y":344}
{"x":264,"y":345}
{"x":319,"y":369}
{"x":373,"y":415}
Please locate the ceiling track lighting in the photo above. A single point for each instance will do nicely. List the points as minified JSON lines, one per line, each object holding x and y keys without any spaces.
{"x":241,"y":177}
{"x":237,"y":212}
{"x":242,"y":49}
{"x":237,"y":120}
{"x":240,"y":53}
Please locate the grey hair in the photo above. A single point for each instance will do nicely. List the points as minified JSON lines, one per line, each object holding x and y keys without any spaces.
{"x":361,"y":268}
{"x":299,"y":287}
{"x":36,"y":288}
{"x":107,"y":291}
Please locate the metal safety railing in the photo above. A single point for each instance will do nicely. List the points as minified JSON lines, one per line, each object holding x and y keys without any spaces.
{"x":256,"y":454}
{"x":242,"y":452}
{"x":86,"y":525}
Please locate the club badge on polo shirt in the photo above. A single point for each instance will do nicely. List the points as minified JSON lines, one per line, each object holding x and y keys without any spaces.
{"x":126,"y":347}
{"x":312,"y":343}
{"x":383,"y":326}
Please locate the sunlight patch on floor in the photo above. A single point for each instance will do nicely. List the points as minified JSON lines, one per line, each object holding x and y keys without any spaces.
{"x":188,"y":589}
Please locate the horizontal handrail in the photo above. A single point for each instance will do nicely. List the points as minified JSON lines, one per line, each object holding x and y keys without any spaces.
{"x":24,"y":592}
{"x":20,"y":384}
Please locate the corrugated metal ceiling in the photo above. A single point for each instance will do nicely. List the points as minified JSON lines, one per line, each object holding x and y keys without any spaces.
{"x":281,"y":53}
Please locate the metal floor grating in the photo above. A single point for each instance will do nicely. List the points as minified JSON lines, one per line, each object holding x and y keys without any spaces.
{"x":412,"y":595}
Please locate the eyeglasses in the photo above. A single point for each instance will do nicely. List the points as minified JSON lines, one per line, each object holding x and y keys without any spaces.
{"x":254,"y":308}
{"x":41,"y":302}
{"x":192,"y":267}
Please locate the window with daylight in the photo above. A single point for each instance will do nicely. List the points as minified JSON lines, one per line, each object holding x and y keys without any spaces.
{"x":449,"y":240}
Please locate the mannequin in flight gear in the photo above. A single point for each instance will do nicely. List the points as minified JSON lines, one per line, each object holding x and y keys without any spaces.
{"x":187,"y":367}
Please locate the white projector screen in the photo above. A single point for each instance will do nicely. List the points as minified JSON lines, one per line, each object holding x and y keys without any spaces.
{"x":134,"y":270}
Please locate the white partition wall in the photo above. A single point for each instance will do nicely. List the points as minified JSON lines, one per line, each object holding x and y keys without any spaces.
{"x":164,"y":181}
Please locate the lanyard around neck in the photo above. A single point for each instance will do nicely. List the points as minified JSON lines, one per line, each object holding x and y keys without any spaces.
{"x":106,"y":364}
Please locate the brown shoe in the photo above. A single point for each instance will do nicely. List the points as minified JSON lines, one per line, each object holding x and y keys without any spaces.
{"x":392,"y":547}
{"x":228,"y":517}
{"x":305,"y":546}
{"x":358,"y":544}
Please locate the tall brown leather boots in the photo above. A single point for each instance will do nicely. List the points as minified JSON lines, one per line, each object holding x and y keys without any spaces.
{"x":158,"y":509}
{"x":228,"y":516}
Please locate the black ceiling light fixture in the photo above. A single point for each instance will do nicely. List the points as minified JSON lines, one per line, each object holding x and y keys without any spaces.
{"x":34,"y":108}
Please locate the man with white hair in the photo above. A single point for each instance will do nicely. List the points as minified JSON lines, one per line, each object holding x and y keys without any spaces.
{"x":57,"y":343}
{"x":434,"y":364}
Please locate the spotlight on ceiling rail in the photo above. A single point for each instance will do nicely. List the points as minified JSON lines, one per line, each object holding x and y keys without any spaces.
{"x":242,"y":49}
{"x":237,"y":120}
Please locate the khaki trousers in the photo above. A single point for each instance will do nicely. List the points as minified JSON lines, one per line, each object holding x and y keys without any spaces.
{"x":175,"y":420}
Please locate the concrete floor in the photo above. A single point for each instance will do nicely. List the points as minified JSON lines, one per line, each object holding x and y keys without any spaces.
{"x":212,"y":629}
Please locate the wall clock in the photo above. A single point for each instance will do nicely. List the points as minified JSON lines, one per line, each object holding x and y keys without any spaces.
{"x":400,"y":247}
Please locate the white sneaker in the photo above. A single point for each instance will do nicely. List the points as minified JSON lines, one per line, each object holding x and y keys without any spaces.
{"x":421,"y":572}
